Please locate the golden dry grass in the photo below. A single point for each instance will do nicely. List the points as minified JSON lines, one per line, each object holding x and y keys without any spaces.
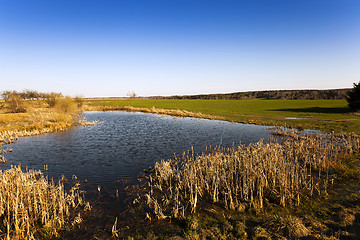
{"x":171,"y":112}
{"x":38,"y":117}
{"x":29,"y":202}
{"x":243,"y":177}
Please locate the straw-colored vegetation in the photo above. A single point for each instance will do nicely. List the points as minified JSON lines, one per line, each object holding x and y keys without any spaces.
{"x":171,"y":112}
{"x":31,"y":205}
{"x":30,"y":113}
{"x":244,"y":180}
{"x":247,"y":176}
{"x":39,"y":115}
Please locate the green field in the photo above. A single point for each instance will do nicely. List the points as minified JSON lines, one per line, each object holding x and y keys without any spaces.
{"x":325,"y":115}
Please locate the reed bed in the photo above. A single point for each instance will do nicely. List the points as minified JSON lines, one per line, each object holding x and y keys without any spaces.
{"x":244,"y":177}
{"x":29,"y":202}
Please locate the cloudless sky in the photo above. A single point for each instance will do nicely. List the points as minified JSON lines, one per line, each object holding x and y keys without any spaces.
{"x":168,"y":47}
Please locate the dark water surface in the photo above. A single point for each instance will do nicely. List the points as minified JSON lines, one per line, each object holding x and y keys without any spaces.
{"x":124,"y":144}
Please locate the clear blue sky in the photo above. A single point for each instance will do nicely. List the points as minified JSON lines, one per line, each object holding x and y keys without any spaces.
{"x":167,"y":47}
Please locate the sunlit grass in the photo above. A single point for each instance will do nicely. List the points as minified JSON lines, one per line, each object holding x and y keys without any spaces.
{"x":325,"y":115}
{"x":246,"y":177}
{"x":29,"y":202}
{"x":38,"y":116}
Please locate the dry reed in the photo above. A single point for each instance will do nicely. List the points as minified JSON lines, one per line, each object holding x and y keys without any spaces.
{"x":29,"y":202}
{"x":161,"y":111}
{"x":243,"y":177}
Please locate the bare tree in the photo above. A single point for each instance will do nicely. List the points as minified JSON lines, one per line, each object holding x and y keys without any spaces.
{"x":131,"y":94}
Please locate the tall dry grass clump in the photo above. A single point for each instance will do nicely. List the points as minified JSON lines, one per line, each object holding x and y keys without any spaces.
{"x":66,"y":111}
{"x":29,"y":202}
{"x":243,"y":177}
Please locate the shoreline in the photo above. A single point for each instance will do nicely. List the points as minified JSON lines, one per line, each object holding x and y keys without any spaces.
{"x":202,"y":217}
{"x":160,"y":111}
{"x":323,"y":115}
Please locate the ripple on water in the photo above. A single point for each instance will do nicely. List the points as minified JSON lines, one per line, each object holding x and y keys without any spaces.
{"x":124,"y":144}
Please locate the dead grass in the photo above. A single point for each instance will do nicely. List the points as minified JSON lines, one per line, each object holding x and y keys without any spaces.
{"x":30,"y":202}
{"x":38,"y":117}
{"x":171,"y":112}
{"x":279,"y":173}
{"x":290,"y":226}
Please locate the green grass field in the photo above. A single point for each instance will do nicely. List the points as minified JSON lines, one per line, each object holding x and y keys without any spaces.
{"x":325,"y":115}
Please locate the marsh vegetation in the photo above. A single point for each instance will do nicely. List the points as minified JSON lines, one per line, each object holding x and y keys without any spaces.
{"x":33,"y":206}
{"x":281,"y":185}
{"x":285,"y":188}
{"x":32,"y":111}
{"x":245,"y":177}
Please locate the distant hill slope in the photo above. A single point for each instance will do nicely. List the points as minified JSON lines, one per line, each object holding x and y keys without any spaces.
{"x":272,"y":94}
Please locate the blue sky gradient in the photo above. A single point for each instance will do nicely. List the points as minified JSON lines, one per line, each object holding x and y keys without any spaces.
{"x":167,"y":47}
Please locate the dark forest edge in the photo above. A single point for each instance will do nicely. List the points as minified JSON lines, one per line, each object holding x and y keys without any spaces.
{"x":270,"y":94}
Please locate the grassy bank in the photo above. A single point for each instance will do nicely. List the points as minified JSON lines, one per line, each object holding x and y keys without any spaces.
{"x":39,"y":116}
{"x":324,"y":115}
{"x":31,"y":118}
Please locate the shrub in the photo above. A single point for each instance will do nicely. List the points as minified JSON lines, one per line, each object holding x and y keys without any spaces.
{"x":79,"y":101}
{"x":15,"y":103}
{"x":66,"y":105}
{"x":353,"y":97}
{"x":52,"y":98}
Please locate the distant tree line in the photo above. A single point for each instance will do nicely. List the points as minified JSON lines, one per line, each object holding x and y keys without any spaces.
{"x":15,"y":99}
{"x":30,"y":95}
{"x":272,"y":94}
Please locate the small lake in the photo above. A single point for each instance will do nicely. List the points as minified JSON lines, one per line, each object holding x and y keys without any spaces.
{"x":123,"y":144}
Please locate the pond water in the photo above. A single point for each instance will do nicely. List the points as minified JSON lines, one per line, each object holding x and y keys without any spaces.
{"x":123,"y":144}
